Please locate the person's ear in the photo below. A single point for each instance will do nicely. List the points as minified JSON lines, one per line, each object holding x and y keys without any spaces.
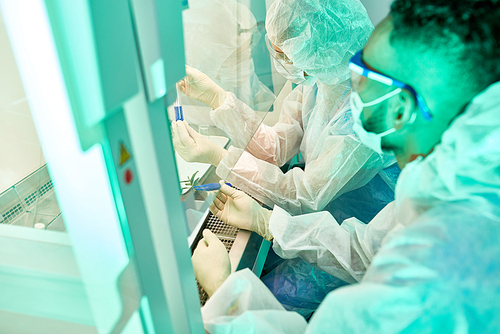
{"x":403,"y":109}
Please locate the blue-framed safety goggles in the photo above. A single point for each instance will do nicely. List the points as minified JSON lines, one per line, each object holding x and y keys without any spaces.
{"x":357,"y":65}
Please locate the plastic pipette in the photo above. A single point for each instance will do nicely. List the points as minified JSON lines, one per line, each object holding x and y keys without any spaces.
{"x":209,"y":187}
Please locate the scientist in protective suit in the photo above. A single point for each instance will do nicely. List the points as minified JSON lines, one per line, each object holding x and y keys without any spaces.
{"x":427,"y":87}
{"x":311,"y":42}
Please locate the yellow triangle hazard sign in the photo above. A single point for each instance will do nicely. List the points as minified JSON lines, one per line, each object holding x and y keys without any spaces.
{"x":124,"y":154}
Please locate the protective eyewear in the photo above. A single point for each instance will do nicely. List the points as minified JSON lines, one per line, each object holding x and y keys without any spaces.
{"x":360,"y":69}
{"x":276,"y":55}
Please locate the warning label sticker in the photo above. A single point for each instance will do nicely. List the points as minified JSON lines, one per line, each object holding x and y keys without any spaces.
{"x":124,"y":154}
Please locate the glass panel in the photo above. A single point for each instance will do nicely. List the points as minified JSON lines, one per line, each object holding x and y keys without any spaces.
{"x":26,"y":194}
{"x":38,"y":271}
{"x":51,"y":279}
{"x":224,"y":40}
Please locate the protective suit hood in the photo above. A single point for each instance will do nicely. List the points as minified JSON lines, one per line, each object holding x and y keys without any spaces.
{"x":319,"y":36}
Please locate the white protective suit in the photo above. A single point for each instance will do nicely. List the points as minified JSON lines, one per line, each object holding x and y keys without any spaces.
{"x":218,"y":38}
{"x":319,"y":36}
{"x":319,"y":128}
{"x":428,"y":263}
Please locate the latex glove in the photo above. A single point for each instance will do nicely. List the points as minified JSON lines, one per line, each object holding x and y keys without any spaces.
{"x":236,"y":208}
{"x":194,"y":147}
{"x":199,"y":86}
{"x":211,"y":262}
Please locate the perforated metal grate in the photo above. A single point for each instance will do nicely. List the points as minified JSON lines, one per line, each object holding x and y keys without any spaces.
{"x":228,"y":243}
{"x":227,"y":234}
{"x":220,"y":228}
{"x":12,"y":213}
{"x":203,"y":295}
{"x":45,"y":188}
{"x":31,"y":198}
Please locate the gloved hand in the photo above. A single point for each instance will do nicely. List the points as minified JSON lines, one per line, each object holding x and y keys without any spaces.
{"x":236,"y":208}
{"x":199,"y":86}
{"x":194,"y":147}
{"x":211,"y":262}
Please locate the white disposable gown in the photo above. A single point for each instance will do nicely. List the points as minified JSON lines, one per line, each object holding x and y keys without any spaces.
{"x":429,"y":263}
{"x":218,"y":39}
{"x":315,"y":121}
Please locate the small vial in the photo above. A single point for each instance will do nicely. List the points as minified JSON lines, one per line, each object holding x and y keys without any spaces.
{"x":204,"y":129}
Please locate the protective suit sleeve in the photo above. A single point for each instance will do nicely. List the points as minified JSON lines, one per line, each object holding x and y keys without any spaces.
{"x":243,"y":301}
{"x":344,"y":251}
{"x":276,"y":144}
{"x":437,"y":275}
{"x":344,"y":164}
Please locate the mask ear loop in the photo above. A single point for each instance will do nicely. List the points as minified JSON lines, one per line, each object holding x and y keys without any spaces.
{"x":410,"y":122}
{"x":377,"y":101}
{"x":412,"y":119}
{"x":385,"y":133}
{"x":382,"y":98}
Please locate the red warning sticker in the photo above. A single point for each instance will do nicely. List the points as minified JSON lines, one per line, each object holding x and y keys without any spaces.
{"x":128,"y":176}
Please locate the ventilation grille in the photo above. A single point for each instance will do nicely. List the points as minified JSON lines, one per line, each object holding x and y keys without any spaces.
{"x":31,"y":198}
{"x":21,"y":206}
{"x":12,"y":213}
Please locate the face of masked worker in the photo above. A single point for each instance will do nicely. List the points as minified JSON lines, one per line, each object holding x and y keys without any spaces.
{"x":286,"y":68}
{"x":371,"y":138}
{"x":294,"y":74}
{"x":372,"y":104}
{"x":389,"y":118}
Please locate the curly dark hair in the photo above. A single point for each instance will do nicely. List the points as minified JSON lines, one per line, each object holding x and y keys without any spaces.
{"x":467,"y":32}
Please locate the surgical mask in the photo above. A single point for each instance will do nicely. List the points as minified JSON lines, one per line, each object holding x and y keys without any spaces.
{"x":294,"y":74}
{"x":370,"y":139}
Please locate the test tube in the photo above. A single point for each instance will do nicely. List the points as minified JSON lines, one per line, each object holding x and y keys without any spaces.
{"x":179,"y":115}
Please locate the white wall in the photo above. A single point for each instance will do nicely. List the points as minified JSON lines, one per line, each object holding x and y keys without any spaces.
{"x":20,"y":152}
{"x":377,"y":9}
